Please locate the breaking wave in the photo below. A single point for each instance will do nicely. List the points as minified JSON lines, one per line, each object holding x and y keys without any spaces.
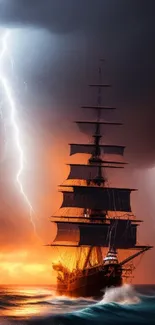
{"x":123,"y":295}
{"x":124,"y":305}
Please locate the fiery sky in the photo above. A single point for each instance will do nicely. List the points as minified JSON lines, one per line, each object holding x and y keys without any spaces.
{"x":55,"y":47}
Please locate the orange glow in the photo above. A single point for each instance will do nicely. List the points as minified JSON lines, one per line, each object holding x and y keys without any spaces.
{"x":24,"y":259}
{"x":31,"y":308}
{"x":24,"y":267}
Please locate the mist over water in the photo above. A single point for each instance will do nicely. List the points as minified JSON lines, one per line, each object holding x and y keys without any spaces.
{"x":40,"y":305}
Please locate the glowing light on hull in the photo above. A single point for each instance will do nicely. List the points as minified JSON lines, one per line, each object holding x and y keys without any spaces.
{"x":14,"y":122}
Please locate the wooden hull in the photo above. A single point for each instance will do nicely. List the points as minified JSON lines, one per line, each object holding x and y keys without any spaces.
{"x":91,"y":283}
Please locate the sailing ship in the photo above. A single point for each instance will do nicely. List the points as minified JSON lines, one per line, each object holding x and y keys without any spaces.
{"x":95,"y":219}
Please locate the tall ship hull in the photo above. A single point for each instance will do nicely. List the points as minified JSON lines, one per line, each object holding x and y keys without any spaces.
{"x":96,"y":238}
{"x":90,"y":283}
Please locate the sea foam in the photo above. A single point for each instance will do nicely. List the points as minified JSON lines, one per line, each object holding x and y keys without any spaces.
{"x":122,"y":295}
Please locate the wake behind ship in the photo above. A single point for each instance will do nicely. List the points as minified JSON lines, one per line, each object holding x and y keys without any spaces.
{"x":95,"y":222}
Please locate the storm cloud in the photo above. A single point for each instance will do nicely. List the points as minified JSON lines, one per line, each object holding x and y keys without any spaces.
{"x":121,"y":31}
{"x":56,"y":46}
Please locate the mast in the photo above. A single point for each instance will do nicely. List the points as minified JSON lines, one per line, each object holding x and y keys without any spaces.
{"x":96,"y":149}
{"x":96,"y":155}
{"x":93,"y":228}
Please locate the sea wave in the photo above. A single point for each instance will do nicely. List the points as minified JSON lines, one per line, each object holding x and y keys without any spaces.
{"x":122,"y":295}
{"x":123,"y":305}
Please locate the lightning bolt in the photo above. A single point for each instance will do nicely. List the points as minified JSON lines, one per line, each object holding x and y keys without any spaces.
{"x":4,"y":128}
{"x":2,"y":53}
{"x":14,"y":122}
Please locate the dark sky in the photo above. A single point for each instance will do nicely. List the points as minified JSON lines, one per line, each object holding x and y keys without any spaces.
{"x":56,"y":53}
{"x":123,"y":32}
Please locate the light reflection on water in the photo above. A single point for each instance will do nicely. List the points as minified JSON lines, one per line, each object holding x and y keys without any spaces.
{"x":40,"y":305}
{"x":26,"y":302}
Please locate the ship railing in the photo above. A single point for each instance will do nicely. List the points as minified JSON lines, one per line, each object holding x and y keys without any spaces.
{"x":81,"y":273}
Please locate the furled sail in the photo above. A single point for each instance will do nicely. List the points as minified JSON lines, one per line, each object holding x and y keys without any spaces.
{"x":98,"y":122}
{"x":99,"y":107}
{"x":99,"y":198}
{"x":100,"y":85}
{"x":90,"y":148}
{"x":121,"y":235}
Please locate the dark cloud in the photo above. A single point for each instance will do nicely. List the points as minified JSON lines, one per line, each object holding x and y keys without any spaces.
{"x":63,"y":16}
{"x":60,"y":16}
{"x":57,"y":64}
{"x":122,"y":31}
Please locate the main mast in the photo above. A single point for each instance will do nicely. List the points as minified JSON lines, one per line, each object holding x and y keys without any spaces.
{"x":83,"y":220}
{"x":96,"y":155}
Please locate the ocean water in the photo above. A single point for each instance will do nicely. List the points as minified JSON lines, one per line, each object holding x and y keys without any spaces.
{"x":41,"y":306}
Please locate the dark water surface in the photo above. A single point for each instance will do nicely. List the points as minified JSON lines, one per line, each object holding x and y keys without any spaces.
{"x":40,"y":305}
